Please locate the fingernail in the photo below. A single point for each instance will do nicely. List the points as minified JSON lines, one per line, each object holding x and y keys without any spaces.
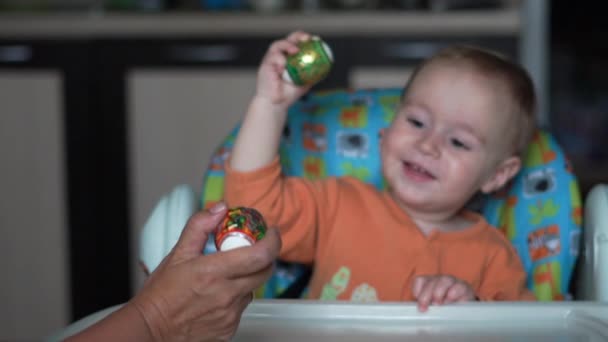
{"x":217,"y":207}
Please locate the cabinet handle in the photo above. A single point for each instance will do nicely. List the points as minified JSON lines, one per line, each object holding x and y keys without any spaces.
{"x":204,"y":53}
{"x":410,"y":50}
{"x":15,"y":53}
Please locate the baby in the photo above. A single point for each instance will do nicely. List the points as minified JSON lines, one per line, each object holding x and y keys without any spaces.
{"x":465,"y":119}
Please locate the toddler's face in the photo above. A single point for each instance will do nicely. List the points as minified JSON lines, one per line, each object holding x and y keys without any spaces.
{"x":447,"y":139}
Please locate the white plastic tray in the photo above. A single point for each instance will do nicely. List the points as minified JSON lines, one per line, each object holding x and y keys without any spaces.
{"x":294,"y":321}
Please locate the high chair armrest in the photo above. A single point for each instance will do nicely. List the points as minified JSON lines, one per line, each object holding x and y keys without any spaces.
{"x":601,"y":266}
{"x":165,"y":224}
{"x":593,"y":279}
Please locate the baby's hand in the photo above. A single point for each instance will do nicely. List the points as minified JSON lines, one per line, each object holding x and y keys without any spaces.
{"x":440,"y":289}
{"x":270,"y":85}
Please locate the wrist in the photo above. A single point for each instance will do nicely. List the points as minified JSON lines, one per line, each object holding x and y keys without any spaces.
{"x":151,"y":318}
{"x":264,"y":104}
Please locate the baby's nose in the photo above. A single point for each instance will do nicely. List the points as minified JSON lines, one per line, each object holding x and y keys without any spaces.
{"x":430,"y":145}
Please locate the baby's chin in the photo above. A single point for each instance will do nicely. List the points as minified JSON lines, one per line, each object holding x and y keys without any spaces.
{"x":410,"y":200}
{"x":423,"y":202}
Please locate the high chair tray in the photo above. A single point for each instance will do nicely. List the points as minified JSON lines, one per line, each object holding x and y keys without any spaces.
{"x":294,"y":321}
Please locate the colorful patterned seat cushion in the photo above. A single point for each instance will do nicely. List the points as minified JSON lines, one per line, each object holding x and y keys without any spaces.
{"x":338,"y":133}
{"x":540,"y":211}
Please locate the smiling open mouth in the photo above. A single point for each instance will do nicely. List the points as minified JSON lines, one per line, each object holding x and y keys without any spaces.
{"x":417,"y":172}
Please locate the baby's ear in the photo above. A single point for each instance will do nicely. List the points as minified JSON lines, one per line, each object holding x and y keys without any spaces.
{"x":506,"y":170}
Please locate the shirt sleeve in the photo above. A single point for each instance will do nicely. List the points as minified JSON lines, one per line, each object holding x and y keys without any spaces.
{"x":504,"y":277}
{"x":296,"y":206}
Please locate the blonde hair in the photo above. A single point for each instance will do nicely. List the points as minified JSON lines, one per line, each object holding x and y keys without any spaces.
{"x":497,"y":67}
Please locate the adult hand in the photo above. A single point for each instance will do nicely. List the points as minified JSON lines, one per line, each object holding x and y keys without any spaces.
{"x":440,"y":289}
{"x":190,"y":296}
{"x":201,"y":297}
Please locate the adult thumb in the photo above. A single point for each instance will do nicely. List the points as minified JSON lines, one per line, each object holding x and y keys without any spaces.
{"x":198,"y":228}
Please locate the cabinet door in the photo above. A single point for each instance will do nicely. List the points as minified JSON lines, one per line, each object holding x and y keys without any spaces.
{"x":33,"y":230}
{"x":176,"y":119}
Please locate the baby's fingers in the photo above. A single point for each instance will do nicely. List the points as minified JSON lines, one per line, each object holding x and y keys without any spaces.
{"x":298,"y":36}
{"x":456,"y":293}
{"x":459,"y":292}
{"x":283,"y":47}
{"x":444,"y":284}
{"x":425,"y":295}
{"x":418,"y":286}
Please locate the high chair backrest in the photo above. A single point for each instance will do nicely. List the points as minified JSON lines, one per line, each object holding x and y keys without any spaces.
{"x":335,"y":133}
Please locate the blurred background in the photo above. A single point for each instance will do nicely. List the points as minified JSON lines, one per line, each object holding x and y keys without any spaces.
{"x":106,"y":105}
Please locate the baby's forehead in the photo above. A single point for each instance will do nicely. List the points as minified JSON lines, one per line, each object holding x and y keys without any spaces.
{"x":479,"y":101}
{"x":492,"y":85}
{"x":462,"y":77}
{"x":468,"y":69}
{"x":505,"y":86}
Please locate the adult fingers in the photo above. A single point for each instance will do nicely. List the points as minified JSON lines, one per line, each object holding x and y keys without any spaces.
{"x":199,"y":226}
{"x":245,"y":260}
{"x":251,"y":282}
{"x":241,"y":304}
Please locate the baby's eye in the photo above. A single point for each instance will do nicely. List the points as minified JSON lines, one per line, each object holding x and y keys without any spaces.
{"x":415,"y":122}
{"x":459,"y":144}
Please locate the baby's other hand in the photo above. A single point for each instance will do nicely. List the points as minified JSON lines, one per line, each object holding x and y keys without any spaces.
{"x":440,"y":289}
{"x":270,"y":84}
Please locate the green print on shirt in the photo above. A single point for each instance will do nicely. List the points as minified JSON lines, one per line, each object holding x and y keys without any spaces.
{"x":339,"y":283}
{"x":364,"y":293}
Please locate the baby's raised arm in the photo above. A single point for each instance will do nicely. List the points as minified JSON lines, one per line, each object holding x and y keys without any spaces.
{"x":258,"y":139}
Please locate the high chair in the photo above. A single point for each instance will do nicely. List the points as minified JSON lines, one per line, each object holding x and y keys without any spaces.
{"x":335,"y":133}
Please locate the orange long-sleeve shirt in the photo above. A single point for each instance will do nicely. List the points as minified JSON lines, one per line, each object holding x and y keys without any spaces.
{"x":365,"y":247}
